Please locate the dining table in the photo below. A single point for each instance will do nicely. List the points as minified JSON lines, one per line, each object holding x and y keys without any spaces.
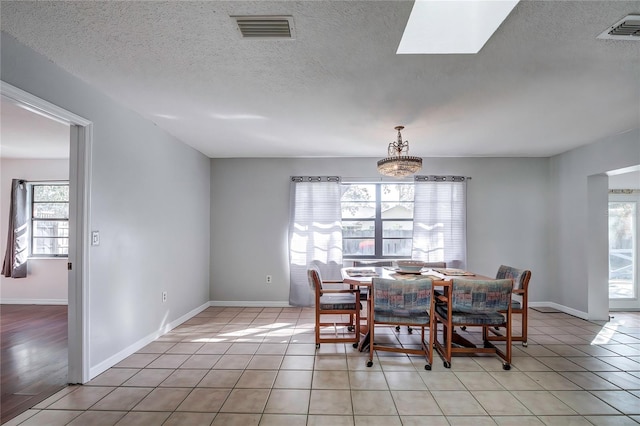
{"x":362,"y":278}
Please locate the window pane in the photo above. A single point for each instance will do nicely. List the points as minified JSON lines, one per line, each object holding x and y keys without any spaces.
{"x":51,"y":210}
{"x":50,"y":237}
{"x":360,"y":229}
{"x":359,"y":193}
{"x":50,"y":193}
{"x":53,"y":246}
{"x":621,"y":250}
{"x":397,"y":210}
{"x":363,"y":212}
{"x":43,"y":228}
{"x":358,"y":247}
{"x":396,"y":247}
{"x":397,"y":192}
{"x":397,"y":229}
{"x":353,"y":210}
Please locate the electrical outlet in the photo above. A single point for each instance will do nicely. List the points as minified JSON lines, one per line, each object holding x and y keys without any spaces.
{"x":164,"y":296}
{"x":268,"y":279}
{"x":95,"y":238}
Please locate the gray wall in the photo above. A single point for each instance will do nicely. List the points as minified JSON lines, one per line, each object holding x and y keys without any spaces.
{"x":508,"y":219}
{"x":577,"y":241}
{"x":149,"y":200}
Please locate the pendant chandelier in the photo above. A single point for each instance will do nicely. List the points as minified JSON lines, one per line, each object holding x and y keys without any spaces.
{"x":399,"y":163}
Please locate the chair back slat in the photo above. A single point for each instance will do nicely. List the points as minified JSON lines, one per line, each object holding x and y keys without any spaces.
{"x":474,"y":296}
{"x":327,"y":271}
{"x":314,"y":279}
{"x":401,"y":298}
{"x":520,"y":277}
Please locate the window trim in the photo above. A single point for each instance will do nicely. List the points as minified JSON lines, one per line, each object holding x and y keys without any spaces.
{"x":33,"y":220}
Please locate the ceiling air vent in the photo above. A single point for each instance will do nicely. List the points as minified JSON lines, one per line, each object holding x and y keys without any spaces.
{"x":627,"y":28}
{"x":266,"y":27}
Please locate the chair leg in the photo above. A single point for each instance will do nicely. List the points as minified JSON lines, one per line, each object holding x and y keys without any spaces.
{"x":356,"y":329}
{"x":448,"y":332}
{"x":428,"y":350}
{"x":525,"y":314}
{"x":507,"y":366}
{"x":317,"y":330}
{"x":441,"y":346}
{"x":371,"y":333}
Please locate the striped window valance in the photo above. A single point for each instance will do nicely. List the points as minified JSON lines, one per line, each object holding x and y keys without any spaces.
{"x":435,"y":178}
{"x":315,"y":178}
{"x":624,"y":191}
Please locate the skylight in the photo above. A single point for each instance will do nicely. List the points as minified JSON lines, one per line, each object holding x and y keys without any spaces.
{"x":452,"y":26}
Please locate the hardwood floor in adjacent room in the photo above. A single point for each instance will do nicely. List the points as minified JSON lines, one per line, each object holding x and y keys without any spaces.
{"x":33,"y":357}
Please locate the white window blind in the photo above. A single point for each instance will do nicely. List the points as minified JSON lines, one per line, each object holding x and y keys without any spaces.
{"x":315,"y":232}
{"x":439,"y":220}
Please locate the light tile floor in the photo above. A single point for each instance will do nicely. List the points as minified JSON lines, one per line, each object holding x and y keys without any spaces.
{"x":259,"y":366}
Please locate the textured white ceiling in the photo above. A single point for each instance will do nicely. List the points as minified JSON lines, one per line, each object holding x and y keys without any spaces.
{"x":543,"y":84}
{"x":25,"y":134}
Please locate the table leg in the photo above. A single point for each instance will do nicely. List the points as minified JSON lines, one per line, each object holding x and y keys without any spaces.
{"x":364,"y":342}
{"x":364,"y":330}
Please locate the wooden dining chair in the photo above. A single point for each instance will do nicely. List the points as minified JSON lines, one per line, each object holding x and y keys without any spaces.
{"x":364,"y":292}
{"x":477,"y":303}
{"x":519,"y":303}
{"x":405,"y":302}
{"x":336,"y":307}
{"x":430,"y":265}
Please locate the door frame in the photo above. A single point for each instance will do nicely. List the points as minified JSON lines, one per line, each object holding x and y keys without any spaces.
{"x":81,"y":131}
{"x":631,"y":304}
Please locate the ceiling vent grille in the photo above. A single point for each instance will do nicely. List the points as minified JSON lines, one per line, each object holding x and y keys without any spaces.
{"x":627,"y":28}
{"x":266,"y":27}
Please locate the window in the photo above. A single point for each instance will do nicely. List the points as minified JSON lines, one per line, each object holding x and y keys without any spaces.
{"x":377,"y":220}
{"x":49,"y":219}
{"x":623,"y":220}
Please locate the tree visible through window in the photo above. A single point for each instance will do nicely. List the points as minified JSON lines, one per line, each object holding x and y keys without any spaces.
{"x":377,"y":220}
{"x":49,"y":219}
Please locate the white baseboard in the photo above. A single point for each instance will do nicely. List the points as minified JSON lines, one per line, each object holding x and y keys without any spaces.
{"x":131,"y":349}
{"x":34,"y":301}
{"x":562,"y":308}
{"x":268,"y":304}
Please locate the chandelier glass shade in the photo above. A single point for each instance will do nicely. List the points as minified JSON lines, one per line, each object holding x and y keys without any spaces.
{"x":398,"y":163}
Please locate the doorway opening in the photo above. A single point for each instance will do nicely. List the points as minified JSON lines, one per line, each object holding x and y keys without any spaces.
{"x":77,"y":282}
{"x":624,"y":236}
{"x":623,"y":209}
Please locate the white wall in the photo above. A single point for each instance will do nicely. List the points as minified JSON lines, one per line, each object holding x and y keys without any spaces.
{"x":577,"y":238}
{"x":46,"y":281}
{"x":629,"y":180}
{"x":508,"y":220}
{"x":150,"y":202}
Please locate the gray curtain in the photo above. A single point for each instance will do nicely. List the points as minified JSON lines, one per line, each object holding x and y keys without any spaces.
{"x":315,"y":232}
{"x":15,"y":258}
{"x":440,"y":220}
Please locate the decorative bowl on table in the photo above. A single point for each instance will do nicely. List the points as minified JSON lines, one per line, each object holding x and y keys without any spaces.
{"x":410,"y":266}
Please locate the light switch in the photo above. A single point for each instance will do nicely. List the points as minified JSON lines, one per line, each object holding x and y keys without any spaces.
{"x":95,"y":238}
